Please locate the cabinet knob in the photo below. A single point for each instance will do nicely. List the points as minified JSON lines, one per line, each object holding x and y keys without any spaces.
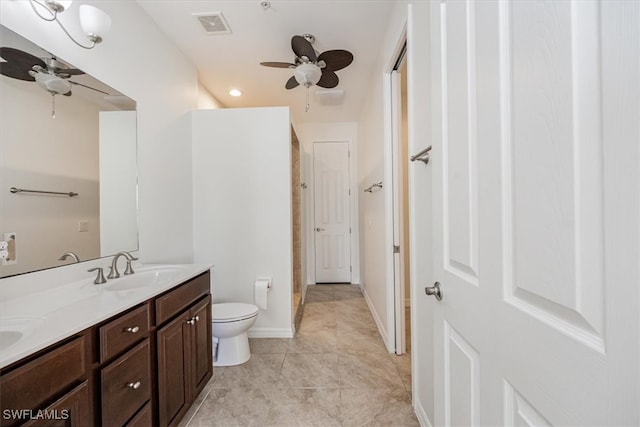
{"x":191,"y":321}
{"x":133,"y":330}
{"x":134,"y":386}
{"x":197,"y":318}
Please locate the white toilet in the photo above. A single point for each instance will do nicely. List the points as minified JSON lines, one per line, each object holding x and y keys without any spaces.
{"x":231,"y":321}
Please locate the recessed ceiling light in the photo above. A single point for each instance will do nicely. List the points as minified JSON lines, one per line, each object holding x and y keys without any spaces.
{"x":235,"y":92}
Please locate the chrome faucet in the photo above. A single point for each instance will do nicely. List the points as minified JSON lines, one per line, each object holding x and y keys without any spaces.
{"x":100,"y":277}
{"x":113,"y":273}
{"x":67,"y":255}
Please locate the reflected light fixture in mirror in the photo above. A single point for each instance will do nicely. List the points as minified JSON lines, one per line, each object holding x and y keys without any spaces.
{"x":94,"y":22}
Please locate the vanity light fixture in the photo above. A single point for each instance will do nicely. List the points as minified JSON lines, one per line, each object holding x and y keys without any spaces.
{"x":94,"y":22}
{"x":235,"y":92}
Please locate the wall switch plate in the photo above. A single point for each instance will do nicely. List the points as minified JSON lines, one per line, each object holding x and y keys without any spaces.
{"x":83,"y":225}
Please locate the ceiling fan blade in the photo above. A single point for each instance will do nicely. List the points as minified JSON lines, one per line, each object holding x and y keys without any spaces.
{"x":329,"y":79}
{"x":301,"y":47}
{"x":336,"y":59}
{"x":291,"y":83}
{"x":278,"y":64}
{"x":88,"y":87}
{"x":18,"y":63}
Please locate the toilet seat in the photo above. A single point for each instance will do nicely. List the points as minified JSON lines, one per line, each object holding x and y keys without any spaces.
{"x":232,"y":312}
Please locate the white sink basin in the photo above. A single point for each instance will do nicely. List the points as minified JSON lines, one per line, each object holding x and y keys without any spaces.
{"x":14,"y":328}
{"x":145,"y":277}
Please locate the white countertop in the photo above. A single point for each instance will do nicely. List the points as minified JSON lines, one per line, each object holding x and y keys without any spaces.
{"x":41,"y":316}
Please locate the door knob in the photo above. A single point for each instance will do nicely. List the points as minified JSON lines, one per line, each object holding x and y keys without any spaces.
{"x":434,"y":290}
{"x":319,"y":229}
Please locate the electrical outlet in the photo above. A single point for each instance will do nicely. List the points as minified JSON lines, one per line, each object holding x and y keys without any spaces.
{"x":83,"y":225}
{"x":8,"y":252}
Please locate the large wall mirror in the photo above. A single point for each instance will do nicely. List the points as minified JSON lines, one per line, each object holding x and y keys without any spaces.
{"x":68,"y":174}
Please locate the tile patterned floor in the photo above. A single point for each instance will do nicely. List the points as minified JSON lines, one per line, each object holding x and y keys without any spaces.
{"x":334,"y":372}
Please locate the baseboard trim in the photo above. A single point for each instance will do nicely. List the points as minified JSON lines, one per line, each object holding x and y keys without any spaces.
{"x":375,"y":316}
{"x":270,"y":333}
{"x":421,"y":414}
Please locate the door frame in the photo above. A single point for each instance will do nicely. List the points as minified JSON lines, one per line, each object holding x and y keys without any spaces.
{"x":310,"y":134}
{"x":315,"y":235}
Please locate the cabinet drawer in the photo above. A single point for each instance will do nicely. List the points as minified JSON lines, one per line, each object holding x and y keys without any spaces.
{"x":123,"y":332}
{"x":143,"y":418}
{"x":126,"y":385}
{"x":71,"y":410}
{"x":39,"y":381}
{"x":180,"y":298}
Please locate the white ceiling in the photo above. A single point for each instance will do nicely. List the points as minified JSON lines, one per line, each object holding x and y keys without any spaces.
{"x":232,"y":61}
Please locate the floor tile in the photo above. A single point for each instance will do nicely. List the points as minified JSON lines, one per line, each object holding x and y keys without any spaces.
{"x":234,"y":407}
{"x":305,"y":407}
{"x":268,"y":345}
{"x":376,"y":407}
{"x":309,"y":370}
{"x":261,"y":371}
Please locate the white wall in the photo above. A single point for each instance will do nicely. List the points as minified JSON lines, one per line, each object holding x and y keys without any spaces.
{"x":38,"y":152}
{"x":242,"y":208}
{"x":137,"y":59}
{"x":308,"y":133}
{"x":206,"y":101}
{"x":376,"y":238}
{"x":118,"y":182}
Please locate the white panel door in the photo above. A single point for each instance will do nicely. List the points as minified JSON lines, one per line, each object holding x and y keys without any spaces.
{"x":536,"y":187}
{"x":331,"y":210}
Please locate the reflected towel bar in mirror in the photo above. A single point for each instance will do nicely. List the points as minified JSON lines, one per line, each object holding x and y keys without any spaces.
{"x":372,"y":186}
{"x":22,"y":190}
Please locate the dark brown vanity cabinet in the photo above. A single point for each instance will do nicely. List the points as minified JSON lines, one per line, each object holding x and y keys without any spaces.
{"x":184,"y":350}
{"x":143,"y":367}
{"x":49,"y":389}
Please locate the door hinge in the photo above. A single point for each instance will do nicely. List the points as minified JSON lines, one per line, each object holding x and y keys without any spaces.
{"x":396,"y":249}
{"x":349,"y":191}
{"x":349,"y":230}
{"x":350,"y":269}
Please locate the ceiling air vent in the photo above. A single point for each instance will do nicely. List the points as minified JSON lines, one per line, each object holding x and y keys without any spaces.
{"x":213,"y":23}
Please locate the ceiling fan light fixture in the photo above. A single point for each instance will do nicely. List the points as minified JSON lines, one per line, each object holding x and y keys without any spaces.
{"x":307,"y":74}
{"x":59,"y":5}
{"x":94,"y":22}
{"x":52,"y":83}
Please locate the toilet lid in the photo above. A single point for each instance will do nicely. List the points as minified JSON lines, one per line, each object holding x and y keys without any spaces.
{"x":232,"y":311}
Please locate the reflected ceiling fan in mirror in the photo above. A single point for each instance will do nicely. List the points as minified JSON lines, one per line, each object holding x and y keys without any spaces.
{"x":51,"y":74}
{"x":311,"y":68}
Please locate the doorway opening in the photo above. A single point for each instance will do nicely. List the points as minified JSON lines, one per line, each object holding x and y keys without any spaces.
{"x":400,"y":176}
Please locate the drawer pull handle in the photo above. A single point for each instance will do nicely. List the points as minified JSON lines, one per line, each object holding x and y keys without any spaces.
{"x":134,"y":386}
{"x":133,"y":330}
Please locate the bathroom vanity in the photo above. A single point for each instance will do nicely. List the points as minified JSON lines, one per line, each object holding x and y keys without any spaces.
{"x":142,"y":365}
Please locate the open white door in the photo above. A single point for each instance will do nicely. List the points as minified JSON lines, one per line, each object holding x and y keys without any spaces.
{"x":536,"y":212}
{"x":332,"y":212}
{"x":398,"y":201}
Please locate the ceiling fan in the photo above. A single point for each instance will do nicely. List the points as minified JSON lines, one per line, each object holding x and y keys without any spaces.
{"x":309,"y":67}
{"x":51,"y":74}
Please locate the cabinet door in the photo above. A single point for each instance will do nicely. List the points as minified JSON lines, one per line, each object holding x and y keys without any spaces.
{"x":71,"y":410}
{"x":202,"y":359}
{"x":174,"y":351}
